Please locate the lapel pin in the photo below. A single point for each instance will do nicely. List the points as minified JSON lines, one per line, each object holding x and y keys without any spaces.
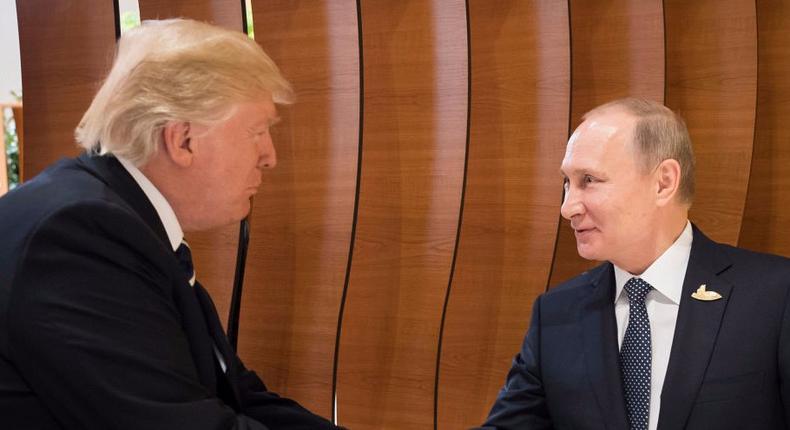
{"x":704,"y":295}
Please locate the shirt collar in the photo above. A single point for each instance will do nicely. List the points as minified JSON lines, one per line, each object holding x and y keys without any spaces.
{"x":174,"y":232}
{"x":667,"y":273}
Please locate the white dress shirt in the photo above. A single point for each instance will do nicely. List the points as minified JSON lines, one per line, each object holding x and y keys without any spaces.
{"x":166,"y":214}
{"x":666,"y":276}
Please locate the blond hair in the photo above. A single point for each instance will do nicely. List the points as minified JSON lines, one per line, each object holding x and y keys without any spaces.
{"x":659,"y":134}
{"x":174,"y":70}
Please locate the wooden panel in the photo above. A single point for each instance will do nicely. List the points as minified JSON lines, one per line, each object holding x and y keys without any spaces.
{"x":766,"y":222}
{"x":618,"y":51}
{"x":415,"y":111}
{"x":214,"y":251}
{"x":225,"y":13}
{"x":65,"y":54}
{"x":712,"y":83}
{"x":519,"y":124}
{"x":303,"y":215}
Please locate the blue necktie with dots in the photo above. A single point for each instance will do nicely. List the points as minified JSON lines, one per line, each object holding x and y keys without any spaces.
{"x":184,"y":256}
{"x":635,"y":355}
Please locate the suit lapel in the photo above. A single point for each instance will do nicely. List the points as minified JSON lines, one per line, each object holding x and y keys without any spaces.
{"x":226,"y":387}
{"x":110,"y":171}
{"x":198,"y":331}
{"x":599,"y":328}
{"x":696,"y":330}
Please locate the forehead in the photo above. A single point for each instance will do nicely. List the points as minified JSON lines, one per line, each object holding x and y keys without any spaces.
{"x":601,"y":140}
{"x":261,"y":111}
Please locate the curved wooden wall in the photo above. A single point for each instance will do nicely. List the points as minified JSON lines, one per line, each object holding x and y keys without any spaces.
{"x":225,"y":13}
{"x":520,"y":89}
{"x":65,"y":54}
{"x":766,"y":220}
{"x":712,"y":83}
{"x":413,"y":146}
{"x":303,"y":215}
{"x":617,"y":51}
{"x":444,"y":122}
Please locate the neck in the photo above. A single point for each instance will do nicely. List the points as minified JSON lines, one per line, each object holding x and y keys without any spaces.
{"x":660,"y":240}
{"x":160,"y":173}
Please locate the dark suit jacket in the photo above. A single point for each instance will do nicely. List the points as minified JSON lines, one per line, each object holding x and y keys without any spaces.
{"x":99,"y":328}
{"x":729,"y":367}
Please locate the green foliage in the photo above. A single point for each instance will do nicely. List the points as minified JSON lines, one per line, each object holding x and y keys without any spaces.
{"x":250,"y":26}
{"x":129,"y":20}
{"x":12,"y":147}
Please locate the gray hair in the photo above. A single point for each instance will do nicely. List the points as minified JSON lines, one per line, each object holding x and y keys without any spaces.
{"x":175,"y":70}
{"x":659,"y":134}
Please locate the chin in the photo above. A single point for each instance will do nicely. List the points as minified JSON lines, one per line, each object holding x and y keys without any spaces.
{"x":588,"y":253}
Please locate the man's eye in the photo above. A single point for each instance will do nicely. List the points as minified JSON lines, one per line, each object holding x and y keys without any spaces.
{"x":588,"y":179}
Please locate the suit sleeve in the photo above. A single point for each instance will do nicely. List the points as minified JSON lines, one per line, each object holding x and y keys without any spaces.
{"x":521,"y":404}
{"x":784,"y":358}
{"x":277,"y":413}
{"x":94,"y":331}
{"x":274,"y":411}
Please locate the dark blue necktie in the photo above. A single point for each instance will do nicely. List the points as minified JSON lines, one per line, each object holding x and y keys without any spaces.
{"x":635,"y":355}
{"x":184,"y":256}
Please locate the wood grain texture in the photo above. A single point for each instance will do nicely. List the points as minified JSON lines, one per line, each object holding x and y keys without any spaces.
{"x":766,"y":219}
{"x":618,"y":51}
{"x":520,"y":75}
{"x":214,"y":251}
{"x":301,"y":229}
{"x":414,"y":140}
{"x":225,"y":13}
{"x":712,"y":83}
{"x":65,"y":54}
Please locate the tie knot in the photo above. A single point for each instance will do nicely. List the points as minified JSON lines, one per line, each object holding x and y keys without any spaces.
{"x":637,"y":290}
{"x":184,"y":256}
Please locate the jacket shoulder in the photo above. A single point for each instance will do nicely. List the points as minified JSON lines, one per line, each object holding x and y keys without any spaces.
{"x":582,"y":281}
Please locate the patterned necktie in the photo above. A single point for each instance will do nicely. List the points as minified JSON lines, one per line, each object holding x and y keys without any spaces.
{"x":184,"y":257}
{"x":635,"y":355}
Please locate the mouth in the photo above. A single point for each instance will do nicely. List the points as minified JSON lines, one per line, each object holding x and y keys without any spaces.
{"x":583,"y":231}
{"x":253,"y":189}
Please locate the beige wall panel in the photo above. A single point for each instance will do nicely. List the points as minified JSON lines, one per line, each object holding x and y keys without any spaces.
{"x":414,"y":140}
{"x":520,"y":92}
{"x":618,"y":51}
{"x":712,"y":83}
{"x":766,"y":221}
{"x":301,"y":231}
{"x":3,"y":160}
{"x":65,"y":54}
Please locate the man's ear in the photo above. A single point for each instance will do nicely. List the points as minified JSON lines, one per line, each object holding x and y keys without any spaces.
{"x":667,"y":178}
{"x":176,"y":136}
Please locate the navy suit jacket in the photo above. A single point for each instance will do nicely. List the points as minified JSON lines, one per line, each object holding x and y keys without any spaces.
{"x":729,"y":367}
{"x":99,"y":328}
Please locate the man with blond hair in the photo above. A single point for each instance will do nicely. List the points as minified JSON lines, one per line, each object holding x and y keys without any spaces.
{"x":103,"y":323}
{"x":673,"y":331}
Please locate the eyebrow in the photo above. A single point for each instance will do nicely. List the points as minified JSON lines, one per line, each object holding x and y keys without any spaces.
{"x":268,"y":123}
{"x":583,"y":171}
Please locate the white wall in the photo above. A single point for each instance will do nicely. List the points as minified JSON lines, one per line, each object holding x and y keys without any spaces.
{"x":10,"y":69}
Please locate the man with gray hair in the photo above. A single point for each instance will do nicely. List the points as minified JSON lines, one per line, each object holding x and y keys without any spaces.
{"x":673,"y":331}
{"x":103,"y":323}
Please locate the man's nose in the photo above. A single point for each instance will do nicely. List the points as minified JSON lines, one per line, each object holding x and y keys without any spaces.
{"x":268,"y":159}
{"x":571,"y":205}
